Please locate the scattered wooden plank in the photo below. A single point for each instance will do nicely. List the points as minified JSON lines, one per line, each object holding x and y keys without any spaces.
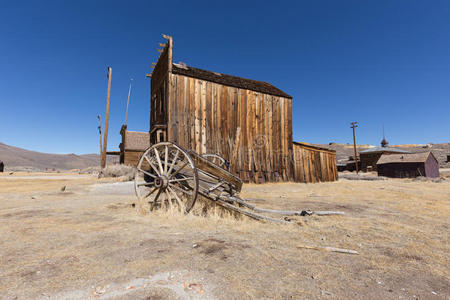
{"x":328,"y":212}
{"x":250,"y":214}
{"x":329,"y":249}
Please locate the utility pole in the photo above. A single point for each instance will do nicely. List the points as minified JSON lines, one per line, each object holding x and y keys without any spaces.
{"x":105,"y":139}
{"x":100,"y":132}
{"x":354,"y":125}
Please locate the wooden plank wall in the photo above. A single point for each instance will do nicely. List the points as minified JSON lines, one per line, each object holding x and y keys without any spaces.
{"x":313,"y":164}
{"x":205,"y":117}
{"x":131,"y":158}
{"x":159,"y":88}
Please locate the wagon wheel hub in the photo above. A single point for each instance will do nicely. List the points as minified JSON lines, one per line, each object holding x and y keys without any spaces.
{"x":162,"y":182}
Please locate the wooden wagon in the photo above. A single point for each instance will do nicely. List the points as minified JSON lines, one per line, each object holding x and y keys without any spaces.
{"x":169,"y":176}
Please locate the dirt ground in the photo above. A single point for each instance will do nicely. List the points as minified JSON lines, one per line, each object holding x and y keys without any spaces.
{"x":87,"y":242}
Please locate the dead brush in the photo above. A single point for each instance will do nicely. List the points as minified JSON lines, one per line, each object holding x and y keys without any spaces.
{"x":124,"y":172}
{"x":203,"y":208}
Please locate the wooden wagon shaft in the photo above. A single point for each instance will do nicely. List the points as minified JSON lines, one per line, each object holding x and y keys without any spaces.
{"x":285,"y":212}
{"x":249,"y":214}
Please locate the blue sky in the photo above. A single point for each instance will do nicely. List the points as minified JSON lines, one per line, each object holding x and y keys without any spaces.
{"x":367,"y":61}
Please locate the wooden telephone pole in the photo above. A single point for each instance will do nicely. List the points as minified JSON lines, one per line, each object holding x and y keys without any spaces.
{"x":105,"y":138}
{"x":354,"y":125}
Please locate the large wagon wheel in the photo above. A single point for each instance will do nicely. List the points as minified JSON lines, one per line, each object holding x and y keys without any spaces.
{"x":166,"y":176}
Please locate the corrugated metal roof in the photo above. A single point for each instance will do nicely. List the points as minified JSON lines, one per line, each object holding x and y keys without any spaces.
{"x":383,"y":149}
{"x":234,"y":81}
{"x":404,"y":158}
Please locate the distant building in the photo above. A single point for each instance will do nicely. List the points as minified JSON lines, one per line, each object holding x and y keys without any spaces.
{"x":351,"y":165}
{"x":2,"y":166}
{"x":341,"y":167}
{"x":370,"y":156}
{"x":408,"y":165}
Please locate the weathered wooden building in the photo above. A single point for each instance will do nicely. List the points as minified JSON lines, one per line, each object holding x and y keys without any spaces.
{"x":408,"y":165}
{"x":370,"y":157}
{"x":248,"y":122}
{"x":133,"y":144}
{"x":313,"y":164}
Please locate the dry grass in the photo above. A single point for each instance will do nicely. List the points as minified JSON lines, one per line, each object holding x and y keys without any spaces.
{"x":399,"y":227}
{"x":28,"y":183}
{"x":118,"y":170}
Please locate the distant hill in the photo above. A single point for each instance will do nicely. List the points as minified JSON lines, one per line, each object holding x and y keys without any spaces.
{"x":20,"y":159}
{"x":16,"y":158}
{"x":440,"y":151}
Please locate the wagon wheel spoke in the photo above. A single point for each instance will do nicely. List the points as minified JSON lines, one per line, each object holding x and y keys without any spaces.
{"x":147,"y":173}
{"x":150,"y":193}
{"x":157,"y":195}
{"x":180,"y":189}
{"x":179,"y":170}
{"x":181,"y":179}
{"x":169,"y":199}
{"x":158,"y":159}
{"x":166,"y":156}
{"x":152,"y":166}
{"x":162,"y":200}
{"x":180,"y":203}
{"x":146,"y":183}
{"x":173,"y":162}
{"x":156,"y":198}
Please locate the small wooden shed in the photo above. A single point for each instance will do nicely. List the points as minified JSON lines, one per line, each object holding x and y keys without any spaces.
{"x":408,"y":165}
{"x":133,"y":144}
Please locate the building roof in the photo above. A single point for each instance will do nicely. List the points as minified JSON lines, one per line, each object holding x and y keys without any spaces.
{"x":138,"y":141}
{"x":382,"y":149}
{"x":404,"y":158}
{"x":234,"y":81}
{"x":313,"y":147}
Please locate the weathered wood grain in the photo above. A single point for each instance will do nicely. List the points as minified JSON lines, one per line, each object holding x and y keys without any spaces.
{"x":204,"y":116}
